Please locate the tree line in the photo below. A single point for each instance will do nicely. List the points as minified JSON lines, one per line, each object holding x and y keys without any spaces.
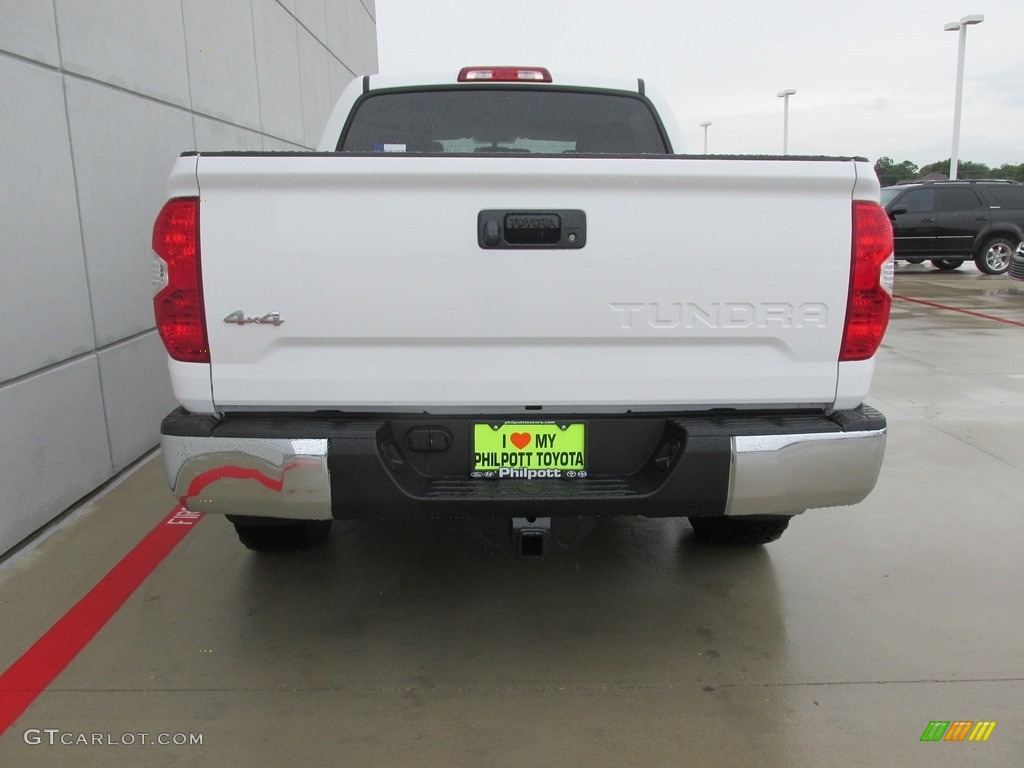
{"x":890,"y":172}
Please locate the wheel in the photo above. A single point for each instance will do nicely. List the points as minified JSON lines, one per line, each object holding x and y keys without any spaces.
{"x":273,"y":534}
{"x":739,"y":531}
{"x":947,"y":264}
{"x":914,"y":261}
{"x":994,"y":257}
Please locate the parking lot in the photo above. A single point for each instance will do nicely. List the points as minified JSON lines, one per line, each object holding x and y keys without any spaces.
{"x":406,"y":644}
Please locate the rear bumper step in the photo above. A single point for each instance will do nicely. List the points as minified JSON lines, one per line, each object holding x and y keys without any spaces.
{"x":319,"y":467}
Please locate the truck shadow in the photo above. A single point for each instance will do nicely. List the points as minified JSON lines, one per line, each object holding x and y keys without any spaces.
{"x":400,"y":604}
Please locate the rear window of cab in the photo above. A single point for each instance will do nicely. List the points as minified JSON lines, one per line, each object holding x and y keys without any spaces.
{"x":503,"y":121}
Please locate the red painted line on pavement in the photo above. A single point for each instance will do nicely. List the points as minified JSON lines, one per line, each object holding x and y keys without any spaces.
{"x":39,"y":665}
{"x":982,"y":315}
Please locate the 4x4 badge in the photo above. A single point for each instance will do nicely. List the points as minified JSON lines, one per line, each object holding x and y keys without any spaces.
{"x":238,"y":318}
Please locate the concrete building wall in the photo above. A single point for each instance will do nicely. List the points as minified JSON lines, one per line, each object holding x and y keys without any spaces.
{"x":97,"y":99}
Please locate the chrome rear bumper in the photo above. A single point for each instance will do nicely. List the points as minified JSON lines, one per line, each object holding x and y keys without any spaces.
{"x":776,"y":474}
{"x":656,"y":467}
{"x":250,"y":476}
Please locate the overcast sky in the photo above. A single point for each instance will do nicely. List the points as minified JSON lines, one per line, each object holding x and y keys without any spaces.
{"x":873,"y":77}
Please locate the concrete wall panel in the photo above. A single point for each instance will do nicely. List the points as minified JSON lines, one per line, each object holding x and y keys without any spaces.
{"x":340,"y":76}
{"x":357,"y":50}
{"x":61,"y":452}
{"x":136,"y":396}
{"x":215,"y":136}
{"x":122,"y":168}
{"x":277,"y":65}
{"x":313,"y":15}
{"x":133,"y":45}
{"x":43,"y":288}
{"x":372,"y":61}
{"x":337,"y":30}
{"x":270,"y":144}
{"x":316,"y":86}
{"x":28,"y":29}
{"x":222,"y":60}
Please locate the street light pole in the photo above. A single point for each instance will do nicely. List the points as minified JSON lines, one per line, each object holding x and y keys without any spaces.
{"x":705,"y":127}
{"x":960,"y":26}
{"x":784,"y":95}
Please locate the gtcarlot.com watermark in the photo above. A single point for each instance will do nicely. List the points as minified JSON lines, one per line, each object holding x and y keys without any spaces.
{"x":56,"y":737}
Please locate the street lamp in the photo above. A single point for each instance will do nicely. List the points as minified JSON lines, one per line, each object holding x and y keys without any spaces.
{"x":705,"y":127}
{"x":784,"y":95}
{"x":960,"y":26}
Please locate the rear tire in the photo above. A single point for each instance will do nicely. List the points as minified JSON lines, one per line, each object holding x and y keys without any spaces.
{"x":914,"y":261}
{"x":994,"y":257}
{"x":739,"y":531}
{"x":280,"y":535}
{"x":947,"y":264}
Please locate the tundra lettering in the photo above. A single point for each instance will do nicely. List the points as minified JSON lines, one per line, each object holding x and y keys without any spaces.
{"x":729,"y":315}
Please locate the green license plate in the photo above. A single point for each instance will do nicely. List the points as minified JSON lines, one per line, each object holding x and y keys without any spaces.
{"x":527,"y":451}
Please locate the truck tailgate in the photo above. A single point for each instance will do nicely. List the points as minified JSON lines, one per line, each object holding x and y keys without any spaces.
{"x":702,"y":282}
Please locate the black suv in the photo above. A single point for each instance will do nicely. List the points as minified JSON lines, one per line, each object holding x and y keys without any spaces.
{"x":952,"y":221}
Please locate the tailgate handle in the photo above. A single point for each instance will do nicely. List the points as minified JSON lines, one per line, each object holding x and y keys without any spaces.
{"x":507,"y":229}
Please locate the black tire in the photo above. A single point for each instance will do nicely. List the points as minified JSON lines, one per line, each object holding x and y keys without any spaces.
{"x":739,"y":531}
{"x":280,"y":535}
{"x":947,"y":264}
{"x":994,"y":256}
{"x":914,"y":261}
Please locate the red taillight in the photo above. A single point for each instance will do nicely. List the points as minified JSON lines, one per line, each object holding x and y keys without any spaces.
{"x":179,"y":303}
{"x":505,"y":74}
{"x":871,"y":275}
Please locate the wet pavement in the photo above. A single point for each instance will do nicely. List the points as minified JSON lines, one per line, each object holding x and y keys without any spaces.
{"x":406,"y":644}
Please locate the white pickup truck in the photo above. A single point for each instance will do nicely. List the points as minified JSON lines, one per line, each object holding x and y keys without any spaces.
{"x":502,"y":296}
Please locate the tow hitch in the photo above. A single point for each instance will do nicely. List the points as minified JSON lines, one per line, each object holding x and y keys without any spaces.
{"x":532,"y":537}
